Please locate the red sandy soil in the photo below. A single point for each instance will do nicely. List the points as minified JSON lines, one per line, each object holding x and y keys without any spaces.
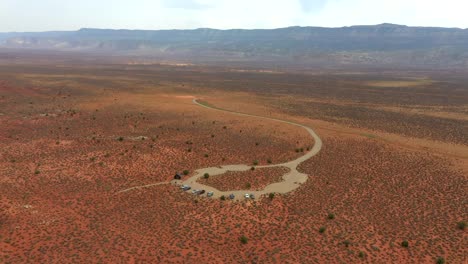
{"x":257,"y":179}
{"x":62,"y":165}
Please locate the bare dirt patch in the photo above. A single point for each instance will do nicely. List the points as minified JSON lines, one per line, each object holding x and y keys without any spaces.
{"x":400,"y":83}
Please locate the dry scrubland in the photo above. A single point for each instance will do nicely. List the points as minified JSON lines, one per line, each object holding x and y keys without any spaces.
{"x":254,"y":179}
{"x":74,"y":135}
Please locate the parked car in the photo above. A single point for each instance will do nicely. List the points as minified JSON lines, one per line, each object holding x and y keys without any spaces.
{"x":209,"y":194}
{"x":232,"y":196}
{"x":247,"y":196}
{"x":252,"y":196}
{"x":195,"y":191}
{"x":186,"y":187}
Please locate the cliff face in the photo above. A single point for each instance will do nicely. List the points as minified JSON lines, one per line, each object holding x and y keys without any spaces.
{"x":380,"y":44}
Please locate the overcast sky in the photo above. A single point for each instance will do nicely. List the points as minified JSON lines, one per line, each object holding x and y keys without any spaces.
{"x":42,"y":15}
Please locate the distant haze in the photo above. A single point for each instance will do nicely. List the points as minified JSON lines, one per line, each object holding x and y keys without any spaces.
{"x":46,"y":15}
{"x":386,"y":45}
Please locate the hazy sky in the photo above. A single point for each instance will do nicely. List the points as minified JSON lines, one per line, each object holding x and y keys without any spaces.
{"x":41,"y":15}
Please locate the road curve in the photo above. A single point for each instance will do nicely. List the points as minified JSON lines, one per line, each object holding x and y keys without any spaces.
{"x":291,"y":180}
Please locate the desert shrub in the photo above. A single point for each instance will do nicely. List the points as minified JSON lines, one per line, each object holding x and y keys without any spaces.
{"x":347,"y":243}
{"x":361,"y":254}
{"x":252,"y":168}
{"x":331,"y":216}
{"x":223,"y":198}
{"x":206,"y":155}
{"x":269,"y":161}
{"x":461,"y":225}
{"x":92,"y":159}
{"x":120,"y":139}
{"x":189,"y":150}
{"x":297,"y":150}
{"x":405,"y":244}
{"x":244,"y":239}
{"x":440,"y":260}
{"x":322,"y":229}
{"x":186,"y":172}
{"x":37,"y":172}
{"x":248,"y":185}
{"x":271,"y":196}
{"x":255,"y":163}
{"x":212,"y":136}
{"x":206,"y":175}
{"x":256,"y":143}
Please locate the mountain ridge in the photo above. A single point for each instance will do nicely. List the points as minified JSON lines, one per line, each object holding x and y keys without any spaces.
{"x":386,"y":43}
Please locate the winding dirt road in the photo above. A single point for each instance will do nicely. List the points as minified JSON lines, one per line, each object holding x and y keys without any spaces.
{"x":291,"y":180}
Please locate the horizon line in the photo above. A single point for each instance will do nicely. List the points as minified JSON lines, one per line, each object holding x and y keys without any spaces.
{"x":228,"y":29}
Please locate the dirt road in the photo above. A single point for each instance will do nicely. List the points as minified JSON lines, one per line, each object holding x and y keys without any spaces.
{"x":291,"y":180}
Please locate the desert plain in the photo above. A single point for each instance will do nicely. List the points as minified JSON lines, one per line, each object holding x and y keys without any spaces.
{"x":75,"y":133}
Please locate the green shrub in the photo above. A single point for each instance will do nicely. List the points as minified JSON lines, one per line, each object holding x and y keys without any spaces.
{"x":247,"y":185}
{"x":186,"y":172}
{"x":440,"y":260}
{"x":252,"y":168}
{"x":206,"y":175}
{"x":322,"y":229}
{"x":361,"y":254}
{"x":269,"y":161}
{"x":37,"y":172}
{"x":255,"y":163}
{"x":243,"y":240}
{"x":347,"y":243}
{"x":461,"y":225}
{"x":271,"y":196}
{"x":223,"y":198}
{"x":331,"y":216}
{"x":405,"y":244}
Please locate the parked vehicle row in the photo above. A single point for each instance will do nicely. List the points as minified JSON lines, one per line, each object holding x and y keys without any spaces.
{"x":210,"y":194}
{"x":196,"y":191}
